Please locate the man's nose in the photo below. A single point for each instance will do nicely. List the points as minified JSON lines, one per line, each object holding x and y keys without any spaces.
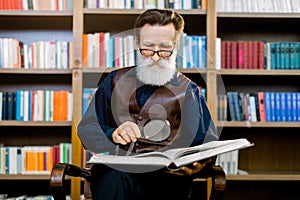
{"x":155,"y":57}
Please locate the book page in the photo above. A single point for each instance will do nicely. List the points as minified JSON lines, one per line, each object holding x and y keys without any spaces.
{"x":180,"y":152}
{"x":219,"y":148}
{"x":157,"y":159}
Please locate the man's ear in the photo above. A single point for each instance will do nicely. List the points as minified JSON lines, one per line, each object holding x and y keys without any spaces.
{"x":177,"y":41}
{"x":136,"y":43}
{"x":177,"y":44}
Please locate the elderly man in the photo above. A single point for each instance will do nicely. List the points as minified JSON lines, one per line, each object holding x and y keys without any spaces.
{"x":132,"y":102}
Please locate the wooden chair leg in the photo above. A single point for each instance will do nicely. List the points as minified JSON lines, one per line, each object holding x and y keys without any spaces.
{"x":209,"y":188}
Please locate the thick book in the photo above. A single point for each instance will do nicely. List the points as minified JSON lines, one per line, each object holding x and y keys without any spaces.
{"x":173,"y":158}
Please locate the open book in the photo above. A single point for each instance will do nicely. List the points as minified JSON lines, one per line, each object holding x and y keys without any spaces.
{"x":173,"y":158}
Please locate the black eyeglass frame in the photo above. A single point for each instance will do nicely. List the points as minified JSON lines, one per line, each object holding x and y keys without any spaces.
{"x":158,"y":52}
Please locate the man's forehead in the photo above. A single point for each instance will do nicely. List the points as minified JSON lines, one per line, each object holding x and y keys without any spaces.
{"x":156,"y":32}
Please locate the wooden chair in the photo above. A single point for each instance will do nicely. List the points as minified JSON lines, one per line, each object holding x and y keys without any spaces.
{"x":213,"y":187}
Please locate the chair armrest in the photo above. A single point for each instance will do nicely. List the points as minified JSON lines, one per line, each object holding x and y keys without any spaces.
{"x":57,"y":177}
{"x":219,"y":182}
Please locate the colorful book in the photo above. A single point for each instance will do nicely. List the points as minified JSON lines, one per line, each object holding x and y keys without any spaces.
{"x":261,"y":106}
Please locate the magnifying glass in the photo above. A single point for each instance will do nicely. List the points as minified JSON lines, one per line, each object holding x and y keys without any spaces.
{"x":154,"y":130}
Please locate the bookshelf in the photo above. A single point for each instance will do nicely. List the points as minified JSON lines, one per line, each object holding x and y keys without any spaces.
{"x":29,"y":27}
{"x":273,"y":164}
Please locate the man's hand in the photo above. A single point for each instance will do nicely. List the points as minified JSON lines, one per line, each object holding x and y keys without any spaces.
{"x":127,"y":132}
{"x":191,"y":169}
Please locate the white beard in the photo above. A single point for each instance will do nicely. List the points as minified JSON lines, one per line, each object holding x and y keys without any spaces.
{"x":155,"y":73}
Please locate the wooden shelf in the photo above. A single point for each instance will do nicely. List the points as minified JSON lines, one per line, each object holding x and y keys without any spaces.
{"x":34,"y":13}
{"x":259,"y":72}
{"x":247,"y":124}
{"x":98,"y":70}
{"x":264,"y":177}
{"x":137,"y":11}
{"x":29,"y":177}
{"x":257,"y":15}
{"x":193,"y":70}
{"x":25,"y":177}
{"x":34,"y":123}
{"x":35,"y":71}
{"x":107,"y":70}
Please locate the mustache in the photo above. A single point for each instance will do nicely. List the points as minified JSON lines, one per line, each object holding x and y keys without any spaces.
{"x":150,"y":62}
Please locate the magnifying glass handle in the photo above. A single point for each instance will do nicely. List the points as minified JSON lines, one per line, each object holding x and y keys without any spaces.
{"x":129,"y":151}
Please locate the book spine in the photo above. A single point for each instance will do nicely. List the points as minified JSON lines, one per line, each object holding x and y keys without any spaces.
{"x":240,"y":55}
{"x":231,"y":106}
{"x":223,"y":54}
{"x":261,"y":105}
{"x":267,"y":101}
{"x":288,"y":101}
{"x":11,"y":102}
{"x":234,"y":56}
{"x":228,"y":54}
{"x":294,"y":106}
{"x":272,"y":102}
{"x":278,"y":108}
{"x":283,"y":106}
{"x":298,"y":106}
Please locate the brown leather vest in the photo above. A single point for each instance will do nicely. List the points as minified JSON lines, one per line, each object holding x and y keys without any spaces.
{"x":164,"y":103}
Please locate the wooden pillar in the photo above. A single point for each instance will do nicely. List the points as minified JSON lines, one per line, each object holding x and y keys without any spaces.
{"x":211,"y":33}
{"x":77,"y":94}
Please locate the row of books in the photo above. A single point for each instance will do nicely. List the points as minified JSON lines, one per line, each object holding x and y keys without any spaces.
{"x":103,"y":50}
{"x":33,"y":159}
{"x":192,"y":52}
{"x":27,"y":197}
{"x":257,"y":55}
{"x":146,"y":4}
{"x":38,"y":55}
{"x":264,"y":106}
{"x":36,"y":5}
{"x":36,"y":105}
{"x":242,"y":55}
{"x":260,"y":55}
{"x":282,"y":55}
{"x":229,"y":162}
{"x":266,"y":6}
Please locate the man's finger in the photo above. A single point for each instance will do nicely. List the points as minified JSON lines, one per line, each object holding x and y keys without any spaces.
{"x":187,"y":170}
{"x":133,"y":131}
{"x":118,"y":139}
{"x":124,"y":134}
{"x":136,"y":130}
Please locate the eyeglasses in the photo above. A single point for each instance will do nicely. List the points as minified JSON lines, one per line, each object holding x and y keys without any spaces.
{"x":160,"y":53}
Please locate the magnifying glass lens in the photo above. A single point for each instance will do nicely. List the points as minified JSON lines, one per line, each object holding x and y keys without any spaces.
{"x":157,"y":130}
